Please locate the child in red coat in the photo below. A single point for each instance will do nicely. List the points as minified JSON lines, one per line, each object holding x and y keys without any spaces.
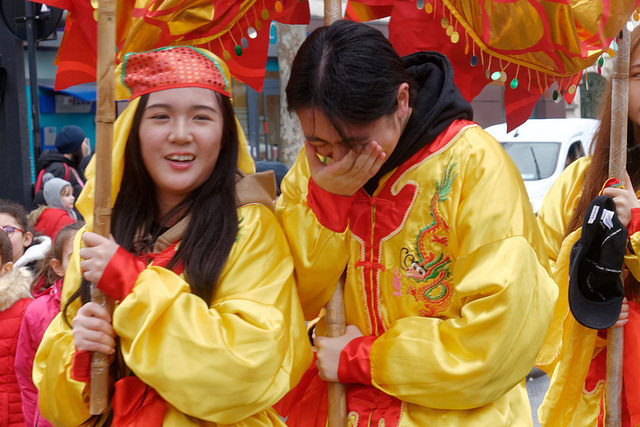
{"x":14,"y":299}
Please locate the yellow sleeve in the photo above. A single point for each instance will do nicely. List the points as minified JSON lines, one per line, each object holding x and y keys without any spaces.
{"x":234,"y":358}
{"x":320,"y":255}
{"x":558,"y":206}
{"x":221,"y":363}
{"x":62,"y":400}
{"x":501,"y":277}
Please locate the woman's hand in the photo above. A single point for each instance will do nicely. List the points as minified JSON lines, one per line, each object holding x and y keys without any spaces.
{"x":625,"y":200}
{"x":96,"y":255}
{"x":329,"y":352}
{"x":624,"y":315}
{"x":92,"y":329}
{"x":348,"y":174}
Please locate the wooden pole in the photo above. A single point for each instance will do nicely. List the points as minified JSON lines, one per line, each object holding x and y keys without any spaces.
{"x":335,"y":311}
{"x":617,"y":169}
{"x":105,"y":116}
{"x":336,"y":324}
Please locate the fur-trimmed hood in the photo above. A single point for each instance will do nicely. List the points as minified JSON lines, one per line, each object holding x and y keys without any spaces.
{"x":37,"y":251}
{"x":14,"y":286}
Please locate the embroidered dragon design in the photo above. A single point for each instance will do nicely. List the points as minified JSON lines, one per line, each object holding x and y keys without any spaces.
{"x":428,"y":269}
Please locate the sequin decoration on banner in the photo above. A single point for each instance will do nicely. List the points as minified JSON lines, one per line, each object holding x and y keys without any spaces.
{"x":428,"y":8}
{"x":556,"y":96}
{"x":600,"y":61}
{"x":611,"y":52}
{"x":514,"y":83}
{"x":444,"y":22}
{"x":572,"y":89}
{"x":278,"y":6}
{"x":629,"y":26}
{"x":265,"y":14}
{"x":238,"y":50}
{"x":474,"y":60}
{"x":496,"y":75}
{"x":449,"y":30}
{"x":636,"y":16}
{"x":244,"y":42}
{"x":420,"y":4}
{"x":614,"y":45}
{"x":252,"y":33}
{"x":455,"y":37}
{"x":226,"y":55}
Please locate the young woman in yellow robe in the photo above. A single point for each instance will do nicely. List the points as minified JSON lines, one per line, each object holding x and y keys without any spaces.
{"x":208,"y":324}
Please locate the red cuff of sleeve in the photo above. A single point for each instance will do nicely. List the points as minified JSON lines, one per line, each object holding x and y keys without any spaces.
{"x":81,"y":366}
{"x":634,"y":224}
{"x":355,"y":366}
{"x":120,"y":274}
{"x":332,"y":210}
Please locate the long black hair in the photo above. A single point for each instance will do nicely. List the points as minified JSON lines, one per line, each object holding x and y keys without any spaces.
{"x":349,"y":85}
{"x":213,"y":224}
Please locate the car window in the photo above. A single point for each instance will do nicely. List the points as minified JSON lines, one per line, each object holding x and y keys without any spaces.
{"x":535,"y":160}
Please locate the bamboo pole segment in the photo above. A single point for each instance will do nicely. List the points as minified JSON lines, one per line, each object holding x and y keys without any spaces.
{"x":617,"y":169}
{"x":335,"y":311}
{"x":332,"y":11}
{"x":336,"y":324}
{"x":105,"y":116}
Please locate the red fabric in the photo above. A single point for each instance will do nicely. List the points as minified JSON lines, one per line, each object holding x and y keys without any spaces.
{"x":355,"y":365}
{"x":135,"y":404}
{"x":634,"y":224}
{"x":81,"y":366}
{"x":35,"y":322}
{"x":331,"y":209}
{"x":306,"y":405}
{"x":120,"y":274}
{"x":10,"y":401}
{"x":51,"y":221}
{"x":630,"y":371}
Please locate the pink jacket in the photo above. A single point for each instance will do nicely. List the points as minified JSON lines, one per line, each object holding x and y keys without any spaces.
{"x":36,"y":320}
{"x":14,"y":300}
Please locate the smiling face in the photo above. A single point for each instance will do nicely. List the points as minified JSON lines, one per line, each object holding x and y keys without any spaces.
{"x":180,"y":137}
{"x":20,"y":240}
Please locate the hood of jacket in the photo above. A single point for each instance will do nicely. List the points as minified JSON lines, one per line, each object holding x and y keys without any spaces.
{"x":438,"y":104}
{"x":35,"y":252}
{"x":52,"y":156}
{"x":14,"y":286}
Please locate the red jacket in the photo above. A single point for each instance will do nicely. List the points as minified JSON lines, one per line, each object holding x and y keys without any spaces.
{"x":14,"y":299}
{"x":35,"y":323}
{"x":52,"y":220}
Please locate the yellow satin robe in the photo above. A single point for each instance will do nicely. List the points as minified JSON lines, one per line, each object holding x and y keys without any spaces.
{"x":569,"y":347}
{"x":225,"y":363}
{"x":455,"y":353}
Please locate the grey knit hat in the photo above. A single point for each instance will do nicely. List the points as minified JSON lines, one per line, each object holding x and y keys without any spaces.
{"x":52,"y":188}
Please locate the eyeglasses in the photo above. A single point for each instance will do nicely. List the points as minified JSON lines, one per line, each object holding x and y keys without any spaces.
{"x":9,"y":230}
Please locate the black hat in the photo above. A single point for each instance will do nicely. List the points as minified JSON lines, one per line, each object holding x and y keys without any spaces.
{"x":69,"y":139}
{"x":595,"y":286}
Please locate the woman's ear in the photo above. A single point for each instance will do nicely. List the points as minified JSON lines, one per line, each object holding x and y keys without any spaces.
{"x":27,"y":239}
{"x":403,"y":100}
{"x":56,"y":265}
{"x":6,"y":267}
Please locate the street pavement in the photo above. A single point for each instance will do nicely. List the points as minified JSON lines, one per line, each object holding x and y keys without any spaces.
{"x":537,"y":384}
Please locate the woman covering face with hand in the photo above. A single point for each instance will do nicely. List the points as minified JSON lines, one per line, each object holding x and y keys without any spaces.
{"x":208,"y":323}
{"x":447,"y":291}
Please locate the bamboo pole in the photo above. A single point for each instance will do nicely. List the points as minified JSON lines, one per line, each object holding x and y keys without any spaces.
{"x":617,"y":169}
{"x":335,"y":311}
{"x":336,"y":324}
{"x":105,"y":116}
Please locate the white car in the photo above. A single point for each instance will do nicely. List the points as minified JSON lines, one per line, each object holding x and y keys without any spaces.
{"x":542,"y":148}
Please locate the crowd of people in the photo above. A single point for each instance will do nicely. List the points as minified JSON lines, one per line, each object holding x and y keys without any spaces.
{"x":454,"y":289}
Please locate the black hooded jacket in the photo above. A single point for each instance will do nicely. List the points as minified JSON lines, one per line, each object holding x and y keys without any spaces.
{"x":54,"y":162}
{"x":438,"y":104}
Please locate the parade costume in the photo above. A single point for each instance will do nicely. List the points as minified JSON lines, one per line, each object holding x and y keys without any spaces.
{"x":194,"y":363}
{"x":446,"y":274}
{"x":573,"y":355}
